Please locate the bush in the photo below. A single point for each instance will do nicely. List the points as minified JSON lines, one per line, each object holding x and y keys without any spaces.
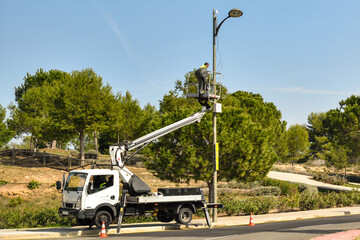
{"x":28,"y":218}
{"x":33,"y":185}
{"x":309,"y":202}
{"x":266,"y":191}
{"x":255,"y":205}
{"x":328,"y":200}
{"x":307,"y":189}
{"x":243,"y":185}
{"x":353,"y":178}
{"x":333,"y":179}
{"x":286,"y":187}
{"x":288,"y":203}
{"x":14,"y":202}
{"x":3,"y":182}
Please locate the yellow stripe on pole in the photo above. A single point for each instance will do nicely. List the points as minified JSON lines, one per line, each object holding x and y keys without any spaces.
{"x":217,"y":156}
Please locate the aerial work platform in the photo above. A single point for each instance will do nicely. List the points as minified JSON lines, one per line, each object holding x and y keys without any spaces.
{"x":213,"y":89}
{"x":207,"y":95}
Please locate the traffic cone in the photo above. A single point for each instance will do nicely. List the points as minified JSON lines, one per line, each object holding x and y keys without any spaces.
{"x":103,"y":230}
{"x":251,"y":223}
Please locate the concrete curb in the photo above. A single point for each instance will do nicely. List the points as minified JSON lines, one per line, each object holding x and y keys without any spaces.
{"x":154,"y":227}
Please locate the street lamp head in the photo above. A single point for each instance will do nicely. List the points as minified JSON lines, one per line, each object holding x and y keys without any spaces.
{"x":235,"y":12}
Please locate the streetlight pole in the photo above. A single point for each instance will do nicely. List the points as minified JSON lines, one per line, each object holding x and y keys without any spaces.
{"x":232,"y":13}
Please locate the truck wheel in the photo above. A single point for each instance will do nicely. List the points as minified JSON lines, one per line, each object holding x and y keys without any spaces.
{"x":103,"y":216}
{"x":184,"y":216}
{"x":163,"y":217}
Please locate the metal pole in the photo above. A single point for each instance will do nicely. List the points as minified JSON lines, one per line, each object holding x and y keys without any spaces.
{"x":214,"y":119}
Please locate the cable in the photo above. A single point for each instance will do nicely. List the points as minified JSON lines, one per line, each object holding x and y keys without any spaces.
{"x":219,"y":65}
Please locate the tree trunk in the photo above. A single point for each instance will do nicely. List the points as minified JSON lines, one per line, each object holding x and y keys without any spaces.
{"x":59,"y":144}
{"x":96,"y":142}
{"x":35,"y":144}
{"x":31,"y":141}
{"x":53,"y":144}
{"x":82,"y":148}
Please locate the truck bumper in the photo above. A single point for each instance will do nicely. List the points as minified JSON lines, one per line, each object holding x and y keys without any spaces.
{"x":72,"y":213}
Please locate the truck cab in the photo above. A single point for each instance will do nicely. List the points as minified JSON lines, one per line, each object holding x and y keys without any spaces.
{"x":88,"y":194}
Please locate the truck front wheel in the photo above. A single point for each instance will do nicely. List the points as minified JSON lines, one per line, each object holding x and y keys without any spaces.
{"x":184,"y":216}
{"x":103,"y":216}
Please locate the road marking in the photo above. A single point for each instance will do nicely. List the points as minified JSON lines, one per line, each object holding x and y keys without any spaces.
{"x":222,"y":237}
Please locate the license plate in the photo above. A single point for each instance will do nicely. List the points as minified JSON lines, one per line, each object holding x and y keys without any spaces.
{"x":65,"y":213}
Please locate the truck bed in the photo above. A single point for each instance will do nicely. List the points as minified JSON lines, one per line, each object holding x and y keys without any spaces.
{"x":163,"y":199}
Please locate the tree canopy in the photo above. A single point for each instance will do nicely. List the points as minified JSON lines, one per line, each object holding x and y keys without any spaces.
{"x":5,"y":133}
{"x":248,"y":129}
{"x":335,"y":135}
{"x":298,"y":142}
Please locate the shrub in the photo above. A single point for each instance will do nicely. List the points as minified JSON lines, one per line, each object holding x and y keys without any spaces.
{"x":309,"y":202}
{"x":255,"y":205}
{"x":307,"y":189}
{"x":266,"y":191}
{"x":3,"y":182}
{"x":328,"y":200}
{"x":33,"y":185}
{"x":14,"y":202}
{"x":243,"y":185}
{"x":288,"y":203}
{"x":333,"y":179}
{"x":286,"y":187}
{"x":28,"y":218}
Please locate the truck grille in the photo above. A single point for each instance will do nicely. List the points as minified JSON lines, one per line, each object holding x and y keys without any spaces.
{"x":69,"y":205}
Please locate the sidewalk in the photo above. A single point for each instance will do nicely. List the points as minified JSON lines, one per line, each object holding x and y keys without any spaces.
{"x":299,"y":178}
{"x":152,"y":227}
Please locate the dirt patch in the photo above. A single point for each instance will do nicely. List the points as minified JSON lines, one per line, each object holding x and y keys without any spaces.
{"x":19,"y":177}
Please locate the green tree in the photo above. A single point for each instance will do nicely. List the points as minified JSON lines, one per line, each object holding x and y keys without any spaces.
{"x":31,"y":115}
{"x":247,"y":130}
{"x":128,"y":122}
{"x":5,"y":133}
{"x":281,"y":144}
{"x":337,"y":156}
{"x":298,"y":142}
{"x":317,"y":135}
{"x":341,"y":126}
{"x":80,"y":103}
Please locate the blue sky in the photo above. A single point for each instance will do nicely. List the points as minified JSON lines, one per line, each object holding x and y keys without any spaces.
{"x":304,"y":56}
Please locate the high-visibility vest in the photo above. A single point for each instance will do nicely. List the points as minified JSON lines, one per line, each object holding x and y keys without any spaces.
{"x":203,"y":66}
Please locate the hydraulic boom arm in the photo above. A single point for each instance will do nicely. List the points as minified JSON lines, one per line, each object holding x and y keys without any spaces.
{"x":118,"y":152}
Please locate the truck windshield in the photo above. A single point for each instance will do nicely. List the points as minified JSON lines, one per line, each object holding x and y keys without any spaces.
{"x":75,"y":182}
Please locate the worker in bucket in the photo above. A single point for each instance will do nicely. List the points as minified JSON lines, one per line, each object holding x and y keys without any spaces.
{"x":201,"y":76}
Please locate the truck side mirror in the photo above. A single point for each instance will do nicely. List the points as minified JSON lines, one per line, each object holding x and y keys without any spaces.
{"x":58,"y":185}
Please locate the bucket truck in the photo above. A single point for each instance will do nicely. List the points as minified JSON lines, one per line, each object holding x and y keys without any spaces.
{"x":92,"y":196}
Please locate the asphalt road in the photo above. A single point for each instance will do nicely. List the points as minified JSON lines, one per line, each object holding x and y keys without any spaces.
{"x":295,"y":230}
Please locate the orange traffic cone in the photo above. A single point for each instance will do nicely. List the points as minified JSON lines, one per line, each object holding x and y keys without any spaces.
{"x":103,"y":230}
{"x":251,"y":223}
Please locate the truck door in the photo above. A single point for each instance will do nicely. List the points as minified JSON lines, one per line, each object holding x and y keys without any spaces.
{"x":102,"y":189}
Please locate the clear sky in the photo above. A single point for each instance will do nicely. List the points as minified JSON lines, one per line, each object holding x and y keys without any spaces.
{"x":304,"y":56}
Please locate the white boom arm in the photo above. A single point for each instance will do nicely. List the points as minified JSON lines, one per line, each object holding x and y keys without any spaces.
{"x":196,"y":117}
{"x":117,"y":151}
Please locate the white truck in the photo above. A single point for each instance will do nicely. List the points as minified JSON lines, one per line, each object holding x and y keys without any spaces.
{"x":92,"y":196}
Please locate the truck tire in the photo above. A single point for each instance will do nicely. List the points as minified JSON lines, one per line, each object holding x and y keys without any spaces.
{"x":103,"y":216}
{"x":163,"y":217}
{"x":184,"y":216}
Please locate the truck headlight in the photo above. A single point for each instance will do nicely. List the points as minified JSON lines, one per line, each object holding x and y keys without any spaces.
{"x":78,"y":202}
